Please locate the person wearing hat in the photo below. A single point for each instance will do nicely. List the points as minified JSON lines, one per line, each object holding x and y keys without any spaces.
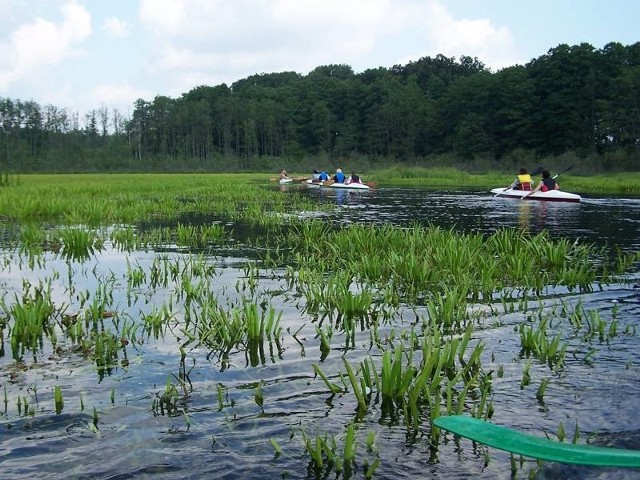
{"x":339,"y":176}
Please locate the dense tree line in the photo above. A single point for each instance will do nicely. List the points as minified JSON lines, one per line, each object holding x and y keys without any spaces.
{"x":573,"y":99}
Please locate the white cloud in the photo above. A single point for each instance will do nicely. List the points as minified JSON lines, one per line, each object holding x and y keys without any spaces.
{"x":225,"y":41}
{"x":492,"y":45}
{"x":116,"y":27}
{"x":231,"y":40}
{"x":42,"y":42}
{"x":164,"y":17}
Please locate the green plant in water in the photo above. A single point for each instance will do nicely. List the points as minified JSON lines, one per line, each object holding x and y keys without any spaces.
{"x":542,"y":389}
{"x":58,"y":400}
{"x":32,"y":319}
{"x":77,"y":244}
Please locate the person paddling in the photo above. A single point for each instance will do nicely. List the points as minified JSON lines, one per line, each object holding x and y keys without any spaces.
{"x":353,"y":178}
{"x":548,"y":183}
{"x":522,"y":181}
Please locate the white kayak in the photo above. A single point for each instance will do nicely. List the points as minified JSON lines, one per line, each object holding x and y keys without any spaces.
{"x":550,"y":196}
{"x":286,"y":180}
{"x":350,"y":186}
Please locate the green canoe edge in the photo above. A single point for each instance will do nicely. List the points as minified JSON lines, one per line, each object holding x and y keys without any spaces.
{"x":527,"y":445}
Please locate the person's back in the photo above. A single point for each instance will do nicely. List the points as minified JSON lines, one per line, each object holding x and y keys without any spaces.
{"x":339,"y":176}
{"x":522,"y":181}
{"x":548,"y":183}
{"x":353,"y":178}
{"x":323,"y":176}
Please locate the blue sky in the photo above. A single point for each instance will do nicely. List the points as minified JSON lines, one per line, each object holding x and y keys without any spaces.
{"x":87,"y":54}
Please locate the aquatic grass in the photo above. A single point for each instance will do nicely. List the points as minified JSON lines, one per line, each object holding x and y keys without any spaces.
{"x":32,"y":320}
{"x":105,"y":352}
{"x":78,"y":244}
{"x":166,"y":402}
{"x":542,"y":389}
{"x":327,"y":457}
{"x":58,"y":399}
{"x":449,"y":310}
{"x":108,"y":199}
{"x":32,"y":235}
{"x":126,"y":239}
{"x":423,"y":263}
{"x":535,"y":342}
{"x":156,"y":322}
{"x":199,"y":236}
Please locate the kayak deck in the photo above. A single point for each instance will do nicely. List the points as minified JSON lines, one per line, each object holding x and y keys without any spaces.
{"x":531,"y":446}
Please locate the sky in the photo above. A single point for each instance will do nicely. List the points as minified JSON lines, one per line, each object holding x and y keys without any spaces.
{"x":83,"y":55}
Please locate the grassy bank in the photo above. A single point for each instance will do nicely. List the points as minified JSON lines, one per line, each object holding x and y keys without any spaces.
{"x":572,"y":180}
{"x":104,"y":199}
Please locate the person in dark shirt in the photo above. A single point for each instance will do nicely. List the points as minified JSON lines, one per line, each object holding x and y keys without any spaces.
{"x":547,"y":183}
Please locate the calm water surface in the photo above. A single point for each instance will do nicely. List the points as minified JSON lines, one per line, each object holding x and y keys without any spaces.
{"x":614,"y":222}
{"x":598,"y":390}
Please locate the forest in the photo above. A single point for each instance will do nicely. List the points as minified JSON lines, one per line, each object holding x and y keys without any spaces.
{"x":573,"y":100}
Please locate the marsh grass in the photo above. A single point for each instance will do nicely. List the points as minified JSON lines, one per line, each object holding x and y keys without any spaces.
{"x":326,"y":456}
{"x":32,"y":320}
{"x":114,"y":199}
{"x":417,"y":369}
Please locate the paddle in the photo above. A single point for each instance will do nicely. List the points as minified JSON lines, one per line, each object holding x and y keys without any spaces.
{"x":533,"y":173}
{"x":533,"y":446}
{"x":565,"y":170}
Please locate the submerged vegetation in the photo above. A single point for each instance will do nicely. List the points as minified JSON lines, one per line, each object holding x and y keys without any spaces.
{"x":390,"y":341}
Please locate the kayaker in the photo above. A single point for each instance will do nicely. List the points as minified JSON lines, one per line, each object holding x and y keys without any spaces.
{"x":522,"y":181}
{"x":353,"y":178}
{"x":548,"y":183}
{"x":323,"y":177}
{"x":283,"y":175}
{"x":339,"y":176}
{"x":316,"y":176}
{"x":545,"y":185}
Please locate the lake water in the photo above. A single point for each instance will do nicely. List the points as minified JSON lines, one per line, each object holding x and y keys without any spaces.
{"x":605,"y":221}
{"x":221,"y":432}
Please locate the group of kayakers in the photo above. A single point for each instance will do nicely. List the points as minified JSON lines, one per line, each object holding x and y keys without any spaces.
{"x":323,"y":176}
{"x":338,"y":177}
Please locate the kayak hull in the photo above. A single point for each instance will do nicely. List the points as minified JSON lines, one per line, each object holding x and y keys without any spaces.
{"x":349,"y":186}
{"x":550,"y":196}
{"x":285,"y":180}
{"x":331,"y":184}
